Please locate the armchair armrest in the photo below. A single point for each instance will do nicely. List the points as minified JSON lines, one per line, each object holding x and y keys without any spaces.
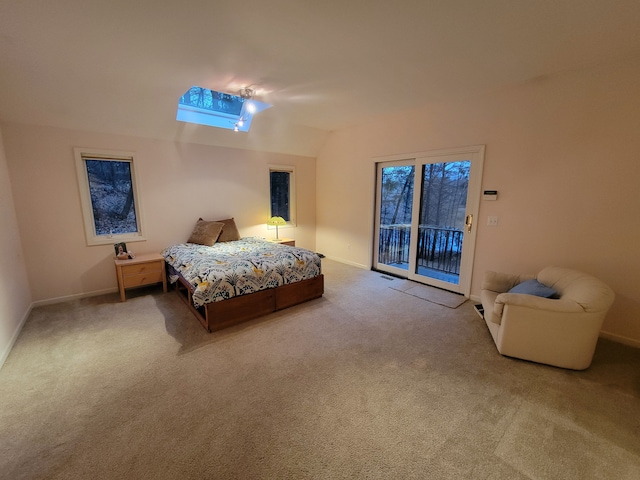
{"x":562,"y":305}
{"x":502,"y":282}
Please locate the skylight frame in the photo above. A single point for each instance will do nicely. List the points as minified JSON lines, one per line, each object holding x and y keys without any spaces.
{"x":213,"y":115}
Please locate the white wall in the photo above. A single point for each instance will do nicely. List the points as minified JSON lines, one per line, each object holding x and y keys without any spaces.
{"x":177,"y":182}
{"x":563,"y":152}
{"x":15,"y":293}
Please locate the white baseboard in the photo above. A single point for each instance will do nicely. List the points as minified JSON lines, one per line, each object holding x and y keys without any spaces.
{"x":39,"y":303}
{"x":14,"y":337}
{"x":609,"y":336}
{"x":66,"y":298}
{"x":621,"y":339}
{"x":353,"y":264}
{"x":51,"y":301}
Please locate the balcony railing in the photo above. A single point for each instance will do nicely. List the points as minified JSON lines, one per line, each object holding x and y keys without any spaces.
{"x":438,"y":248}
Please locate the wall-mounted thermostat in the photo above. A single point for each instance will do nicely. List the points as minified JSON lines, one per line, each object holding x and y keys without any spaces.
{"x":490,"y":195}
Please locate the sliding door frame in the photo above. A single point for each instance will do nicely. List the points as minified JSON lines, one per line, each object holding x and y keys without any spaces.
{"x":476,"y":155}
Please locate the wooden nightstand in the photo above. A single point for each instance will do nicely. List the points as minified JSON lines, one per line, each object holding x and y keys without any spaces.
{"x":145,"y":269}
{"x":283,"y":241}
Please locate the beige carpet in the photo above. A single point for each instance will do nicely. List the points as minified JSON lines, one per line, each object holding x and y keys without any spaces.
{"x":364,"y":383}
{"x":430,"y":294}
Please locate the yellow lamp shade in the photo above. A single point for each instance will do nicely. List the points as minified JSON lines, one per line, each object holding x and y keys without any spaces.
{"x":276,"y":221}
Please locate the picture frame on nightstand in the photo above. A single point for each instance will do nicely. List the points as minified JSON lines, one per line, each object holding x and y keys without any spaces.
{"x":121,"y":250}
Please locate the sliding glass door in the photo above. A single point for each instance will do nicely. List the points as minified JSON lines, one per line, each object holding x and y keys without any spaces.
{"x":425,"y":207}
{"x":395,"y":207}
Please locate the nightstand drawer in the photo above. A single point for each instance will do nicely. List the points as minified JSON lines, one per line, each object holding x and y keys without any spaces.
{"x":144,"y":278}
{"x":141,"y":268}
{"x":145,"y":269}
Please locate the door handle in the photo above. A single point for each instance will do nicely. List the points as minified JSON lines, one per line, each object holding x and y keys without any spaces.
{"x":468,"y":221}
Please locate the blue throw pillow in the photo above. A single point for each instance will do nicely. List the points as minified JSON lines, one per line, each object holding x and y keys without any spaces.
{"x":534,"y":287}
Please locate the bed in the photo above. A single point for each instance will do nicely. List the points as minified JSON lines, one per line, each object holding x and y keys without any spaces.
{"x":237,"y":280}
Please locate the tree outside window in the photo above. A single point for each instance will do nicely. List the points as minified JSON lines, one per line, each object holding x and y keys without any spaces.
{"x":282,"y":193}
{"x":109,"y":201}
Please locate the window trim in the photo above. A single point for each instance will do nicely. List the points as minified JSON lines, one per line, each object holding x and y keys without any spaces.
{"x":92,"y":237}
{"x":291,"y":169}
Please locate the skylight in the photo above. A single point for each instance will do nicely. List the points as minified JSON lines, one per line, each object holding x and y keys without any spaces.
{"x":216,"y":109}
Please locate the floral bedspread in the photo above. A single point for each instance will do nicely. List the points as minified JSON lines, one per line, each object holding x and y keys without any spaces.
{"x":230,"y":269}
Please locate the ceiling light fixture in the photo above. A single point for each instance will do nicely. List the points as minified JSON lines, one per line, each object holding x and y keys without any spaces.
{"x":247,"y":94}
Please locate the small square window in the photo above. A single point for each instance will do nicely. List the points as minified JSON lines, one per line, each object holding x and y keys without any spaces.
{"x":110,"y":204}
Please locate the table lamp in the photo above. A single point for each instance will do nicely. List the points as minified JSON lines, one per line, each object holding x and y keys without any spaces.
{"x":276,"y":221}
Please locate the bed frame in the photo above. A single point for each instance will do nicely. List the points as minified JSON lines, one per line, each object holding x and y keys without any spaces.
{"x":218,"y":315}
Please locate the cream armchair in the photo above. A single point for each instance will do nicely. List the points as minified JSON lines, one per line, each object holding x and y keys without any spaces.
{"x":559,"y":331}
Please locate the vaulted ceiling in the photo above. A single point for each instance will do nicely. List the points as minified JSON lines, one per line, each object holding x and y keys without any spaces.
{"x":119,"y":66}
